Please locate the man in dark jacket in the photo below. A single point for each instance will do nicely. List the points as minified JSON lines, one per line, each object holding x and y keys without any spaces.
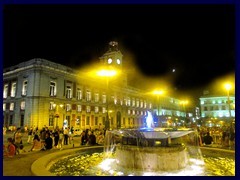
{"x":48,"y":142}
{"x":208,"y":139}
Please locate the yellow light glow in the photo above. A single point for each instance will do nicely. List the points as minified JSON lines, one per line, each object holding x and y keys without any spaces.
{"x":106,"y":73}
{"x":183,"y":102}
{"x":228,"y":86}
{"x":158,"y":92}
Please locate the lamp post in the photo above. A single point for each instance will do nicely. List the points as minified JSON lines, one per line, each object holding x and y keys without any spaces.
{"x":184,"y":108}
{"x":158,"y":93}
{"x":56,"y":114}
{"x":228,"y":87}
{"x":107,"y":74}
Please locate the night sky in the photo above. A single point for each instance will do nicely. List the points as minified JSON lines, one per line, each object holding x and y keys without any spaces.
{"x":198,"y":41}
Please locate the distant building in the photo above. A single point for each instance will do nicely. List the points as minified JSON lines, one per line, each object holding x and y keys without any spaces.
{"x":39,"y":93}
{"x":215,"y":110}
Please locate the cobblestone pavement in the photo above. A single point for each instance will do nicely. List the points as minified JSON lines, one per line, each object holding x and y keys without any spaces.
{"x":20,"y":165}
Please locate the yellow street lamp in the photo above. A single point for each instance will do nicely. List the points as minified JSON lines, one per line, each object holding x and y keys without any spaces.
{"x":158,"y":93}
{"x":184,"y":103}
{"x":107,"y":74}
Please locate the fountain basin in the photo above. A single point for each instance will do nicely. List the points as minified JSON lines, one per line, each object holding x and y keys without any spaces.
{"x":152,"y":158}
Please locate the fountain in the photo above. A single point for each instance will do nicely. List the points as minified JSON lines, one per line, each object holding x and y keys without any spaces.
{"x":146,"y":151}
{"x":152,"y":149}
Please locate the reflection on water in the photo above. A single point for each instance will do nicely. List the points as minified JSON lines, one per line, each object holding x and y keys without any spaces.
{"x":94,"y":164}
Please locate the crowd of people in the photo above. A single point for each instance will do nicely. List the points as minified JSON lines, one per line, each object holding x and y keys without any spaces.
{"x":46,"y":139}
{"x":221,"y":136}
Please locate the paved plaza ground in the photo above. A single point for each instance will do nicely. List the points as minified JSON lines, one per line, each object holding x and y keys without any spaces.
{"x":20,"y":165}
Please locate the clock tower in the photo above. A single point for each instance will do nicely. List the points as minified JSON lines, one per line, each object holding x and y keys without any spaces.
{"x":112,"y":59}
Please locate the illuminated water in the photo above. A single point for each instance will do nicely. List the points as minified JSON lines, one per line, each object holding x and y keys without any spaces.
{"x":92,"y":163}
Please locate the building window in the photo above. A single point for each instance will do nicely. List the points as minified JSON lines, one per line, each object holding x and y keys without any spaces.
{"x":78,"y":120}
{"x":79,"y":94}
{"x":125,"y":101}
{"x":145,"y":104}
{"x":88,"y":120}
{"x":51,"y":118}
{"x":23,"y":105}
{"x":96,"y":97}
{"x":4,"y":106}
{"x":11,"y":106}
{"x":104,"y":110}
{"x":223,"y":107}
{"x":128,"y":101}
{"x":133,"y":112}
{"x":24,"y":88}
{"x":53,"y":88}
{"x":137,"y":103}
{"x":52,"y":106}
{"x":22,"y":120}
{"x":96,"y":121}
{"x":68,"y":107}
{"x":129,"y":111}
{"x":205,"y":108}
{"x":104,"y":98}
{"x":150,"y":105}
{"x":79,"y":108}
{"x":112,"y":121}
{"x":5,"y":91}
{"x":104,"y":120}
{"x":13,"y":89}
{"x":69,"y":92}
{"x":133,"y":102}
{"x":115,"y":100}
{"x":11,"y":120}
{"x":96,"y":109}
{"x":88,"y":96}
{"x":88,"y":109}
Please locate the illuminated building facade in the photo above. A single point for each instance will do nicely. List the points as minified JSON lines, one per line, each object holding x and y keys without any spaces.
{"x":39,"y":93}
{"x":215,"y":110}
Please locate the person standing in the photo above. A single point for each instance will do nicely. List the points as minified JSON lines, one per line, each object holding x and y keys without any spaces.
{"x":56,"y":138}
{"x":30,"y":135}
{"x":18,"y":139}
{"x":65,"y":133}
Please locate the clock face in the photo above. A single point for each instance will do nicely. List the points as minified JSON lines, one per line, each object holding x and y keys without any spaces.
{"x":109,"y":61}
{"x":118,"y":61}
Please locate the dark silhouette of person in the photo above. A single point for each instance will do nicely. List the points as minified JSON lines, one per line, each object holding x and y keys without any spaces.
{"x":91,"y":139}
{"x":48,"y":142}
{"x":207,"y":139}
